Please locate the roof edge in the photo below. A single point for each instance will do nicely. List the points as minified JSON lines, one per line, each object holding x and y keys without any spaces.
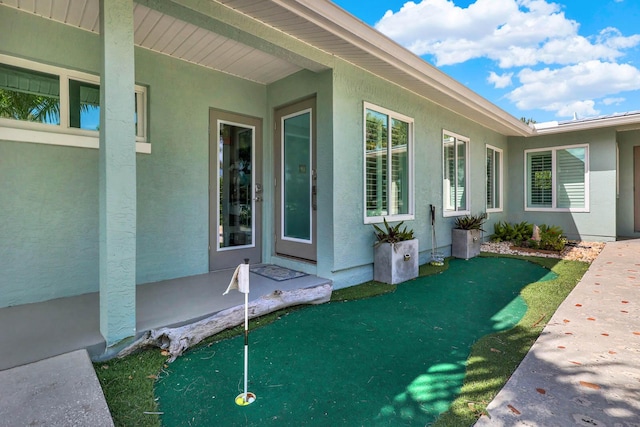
{"x":336,"y":20}
{"x":628,"y":121}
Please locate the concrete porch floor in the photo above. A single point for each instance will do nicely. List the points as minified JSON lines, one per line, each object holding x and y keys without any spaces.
{"x":32,"y":332}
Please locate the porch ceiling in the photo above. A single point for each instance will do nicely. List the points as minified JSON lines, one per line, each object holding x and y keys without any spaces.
{"x":165,"y":34}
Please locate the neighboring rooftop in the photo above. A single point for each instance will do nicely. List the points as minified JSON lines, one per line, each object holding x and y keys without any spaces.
{"x":627,"y":121}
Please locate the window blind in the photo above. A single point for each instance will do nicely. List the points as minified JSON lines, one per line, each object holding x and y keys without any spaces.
{"x":570,"y":172}
{"x":490,"y":189}
{"x":376,"y":164}
{"x":540,"y":184}
{"x":27,"y":81}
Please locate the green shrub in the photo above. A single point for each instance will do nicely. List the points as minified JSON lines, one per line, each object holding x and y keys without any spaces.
{"x":551,"y":238}
{"x":391,"y":234}
{"x":470,"y":222}
{"x":530,"y":243}
{"x":516,"y":233}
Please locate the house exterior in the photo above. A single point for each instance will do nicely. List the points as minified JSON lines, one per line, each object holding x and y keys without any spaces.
{"x":188,"y":135}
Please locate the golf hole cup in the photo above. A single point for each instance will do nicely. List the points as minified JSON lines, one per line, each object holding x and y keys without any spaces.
{"x":240,"y":400}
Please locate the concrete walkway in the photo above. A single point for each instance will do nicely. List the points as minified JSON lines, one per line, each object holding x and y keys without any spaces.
{"x":584,"y":369}
{"x":59,"y":391}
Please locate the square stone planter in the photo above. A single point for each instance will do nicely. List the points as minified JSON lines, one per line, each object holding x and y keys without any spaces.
{"x":396,"y":263}
{"x":465,"y":244}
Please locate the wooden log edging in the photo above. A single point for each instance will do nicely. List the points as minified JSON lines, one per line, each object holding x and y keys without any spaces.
{"x":177,"y":340}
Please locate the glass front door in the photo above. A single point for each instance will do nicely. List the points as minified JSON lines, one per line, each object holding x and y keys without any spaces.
{"x":236,"y":192}
{"x":235,"y":184}
{"x":296,"y":177}
{"x":296,"y":181}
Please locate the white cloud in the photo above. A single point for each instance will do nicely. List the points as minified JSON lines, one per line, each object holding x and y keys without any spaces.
{"x":613,"y":101}
{"x":573,"y":88}
{"x":500,"y":81}
{"x":580,"y":71}
{"x":514,"y":33}
{"x":577,"y":109}
{"x":613,"y":38}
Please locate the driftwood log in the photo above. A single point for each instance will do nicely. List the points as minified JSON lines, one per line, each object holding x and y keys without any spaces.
{"x":176,"y":340}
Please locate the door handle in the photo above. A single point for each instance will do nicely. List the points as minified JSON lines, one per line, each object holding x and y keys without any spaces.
{"x":257,"y":191}
{"x":314,"y":191}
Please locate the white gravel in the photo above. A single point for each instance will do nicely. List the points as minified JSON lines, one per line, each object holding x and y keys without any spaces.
{"x":574,"y":251}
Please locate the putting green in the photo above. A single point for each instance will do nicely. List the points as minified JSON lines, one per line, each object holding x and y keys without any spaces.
{"x":393,"y":360}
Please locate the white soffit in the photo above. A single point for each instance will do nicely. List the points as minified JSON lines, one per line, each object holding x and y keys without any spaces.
{"x":164,"y":34}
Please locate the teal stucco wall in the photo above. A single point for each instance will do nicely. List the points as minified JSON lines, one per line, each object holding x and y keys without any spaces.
{"x":299,"y":86}
{"x":49,"y":227}
{"x":599,"y":224}
{"x":49,"y":196}
{"x":625,"y":207}
{"x":352,"y":238}
{"x":173,"y":181}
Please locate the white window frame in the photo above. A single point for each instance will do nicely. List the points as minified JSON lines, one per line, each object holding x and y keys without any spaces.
{"x":410,"y":163}
{"x":63,"y":134}
{"x":499,"y":191}
{"x":452,"y":212}
{"x":554,"y":197}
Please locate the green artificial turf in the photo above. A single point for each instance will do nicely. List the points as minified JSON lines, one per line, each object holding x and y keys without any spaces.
{"x":128,"y":383}
{"x":494,"y":357}
{"x":397,"y":359}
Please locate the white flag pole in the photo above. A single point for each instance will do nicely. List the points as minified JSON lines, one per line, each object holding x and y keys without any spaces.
{"x":246,"y":346}
{"x":241,"y":282}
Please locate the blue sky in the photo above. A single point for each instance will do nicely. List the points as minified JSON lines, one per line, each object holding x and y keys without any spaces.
{"x":533,"y":58}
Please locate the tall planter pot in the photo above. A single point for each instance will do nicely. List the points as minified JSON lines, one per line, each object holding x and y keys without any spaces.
{"x":397,"y":262}
{"x":465,"y":244}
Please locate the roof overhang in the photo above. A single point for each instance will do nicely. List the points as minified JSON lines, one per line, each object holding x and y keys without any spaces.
{"x":326,"y":26}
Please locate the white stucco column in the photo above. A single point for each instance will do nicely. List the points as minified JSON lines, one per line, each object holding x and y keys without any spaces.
{"x":117,"y":166}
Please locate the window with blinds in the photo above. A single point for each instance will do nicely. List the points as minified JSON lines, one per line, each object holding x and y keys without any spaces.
{"x":540,"y":171}
{"x":570,"y":183}
{"x":557,"y":178}
{"x":455,"y":167}
{"x":494,"y":179}
{"x":387,"y":164}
